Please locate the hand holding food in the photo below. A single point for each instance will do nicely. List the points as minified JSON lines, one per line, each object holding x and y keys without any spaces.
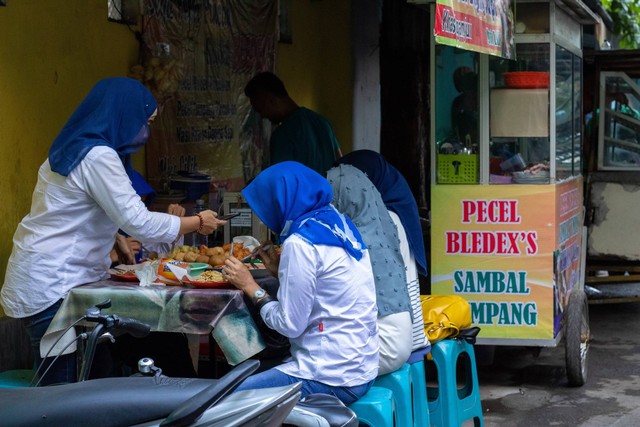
{"x":269,"y":256}
{"x":237,"y":273}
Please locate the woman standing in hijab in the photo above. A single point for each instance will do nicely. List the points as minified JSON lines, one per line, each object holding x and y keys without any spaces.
{"x":403,"y":209}
{"x":326,"y":300}
{"x":82,"y":196}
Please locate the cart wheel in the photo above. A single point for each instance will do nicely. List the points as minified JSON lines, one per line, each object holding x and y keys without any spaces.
{"x":577,"y":336}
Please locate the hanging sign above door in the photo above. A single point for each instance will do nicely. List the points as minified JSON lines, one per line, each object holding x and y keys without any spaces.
{"x":484,"y":26}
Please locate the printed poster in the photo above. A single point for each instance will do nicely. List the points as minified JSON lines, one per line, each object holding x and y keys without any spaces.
{"x":484,"y":26}
{"x":499,"y":247}
{"x":196,"y":58}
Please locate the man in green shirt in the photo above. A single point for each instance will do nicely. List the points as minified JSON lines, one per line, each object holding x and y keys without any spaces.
{"x":300,"y":134}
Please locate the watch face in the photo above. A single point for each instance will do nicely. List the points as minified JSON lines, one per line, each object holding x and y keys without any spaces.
{"x":259,"y":293}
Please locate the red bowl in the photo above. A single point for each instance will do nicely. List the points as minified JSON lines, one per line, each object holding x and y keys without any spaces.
{"x":526,"y":79}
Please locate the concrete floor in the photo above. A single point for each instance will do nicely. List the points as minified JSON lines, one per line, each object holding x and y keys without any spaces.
{"x":522,"y":388}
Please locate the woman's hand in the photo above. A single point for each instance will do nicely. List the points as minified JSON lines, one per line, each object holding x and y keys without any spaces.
{"x":266,"y":252}
{"x":210,"y":222}
{"x":238,"y":274}
{"x":124,"y":251}
{"x":134,"y":245}
{"x":176,"y":209}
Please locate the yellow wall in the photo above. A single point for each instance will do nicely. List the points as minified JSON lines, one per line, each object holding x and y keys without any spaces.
{"x":316,"y":67}
{"x":51,"y":54}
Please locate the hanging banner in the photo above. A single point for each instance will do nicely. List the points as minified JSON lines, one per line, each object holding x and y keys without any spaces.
{"x":512,"y":251}
{"x":196,"y":58}
{"x":484,"y":26}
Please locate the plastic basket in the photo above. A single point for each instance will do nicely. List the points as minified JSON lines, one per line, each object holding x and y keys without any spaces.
{"x":526,"y":79}
{"x":457,"y":169}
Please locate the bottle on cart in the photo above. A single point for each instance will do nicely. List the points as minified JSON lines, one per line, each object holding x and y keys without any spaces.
{"x":200,"y":239}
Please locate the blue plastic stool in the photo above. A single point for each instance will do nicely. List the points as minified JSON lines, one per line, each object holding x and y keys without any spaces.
{"x":399,"y":382}
{"x":450,"y":406}
{"x":16,"y":378}
{"x":419,"y":404}
{"x":376,"y":408}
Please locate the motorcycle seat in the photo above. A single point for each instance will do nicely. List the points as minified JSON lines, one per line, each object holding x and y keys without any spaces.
{"x":101,"y":402}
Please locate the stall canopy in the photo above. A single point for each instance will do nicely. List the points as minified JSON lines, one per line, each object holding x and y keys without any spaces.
{"x":484,"y":26}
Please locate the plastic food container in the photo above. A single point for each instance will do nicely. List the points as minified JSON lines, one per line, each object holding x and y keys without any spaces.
{"x":526,"y":79}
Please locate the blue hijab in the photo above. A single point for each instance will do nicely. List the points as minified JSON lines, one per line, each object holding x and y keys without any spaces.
{"x":113,"y":114}
{"x":291,"y":198}
{"x":396,"y":195}
{"x":141,"y":186}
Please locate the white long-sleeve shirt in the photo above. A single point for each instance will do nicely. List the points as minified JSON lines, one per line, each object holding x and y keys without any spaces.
{"x":66,"y":238}
{"x":326,"y":307}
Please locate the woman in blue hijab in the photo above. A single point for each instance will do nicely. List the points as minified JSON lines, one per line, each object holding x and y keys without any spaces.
{"x":82,"y":197}
{"x":325,"y":302}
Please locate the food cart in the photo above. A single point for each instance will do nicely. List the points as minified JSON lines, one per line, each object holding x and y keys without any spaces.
{"x":612,"y":199}
{"x":507,"y":192}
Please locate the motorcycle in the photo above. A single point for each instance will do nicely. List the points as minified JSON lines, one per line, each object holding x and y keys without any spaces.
{"x":150,"y":398}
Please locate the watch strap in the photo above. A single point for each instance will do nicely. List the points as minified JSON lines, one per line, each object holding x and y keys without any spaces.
{"x":264,"y":301}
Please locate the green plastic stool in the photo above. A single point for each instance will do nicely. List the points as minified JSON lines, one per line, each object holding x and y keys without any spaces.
{"x":16,"y":378}
{"x":399,"y":382}
{"x":450,"y":406}
{"x":419,"y":403}
{"x":376,"y":408}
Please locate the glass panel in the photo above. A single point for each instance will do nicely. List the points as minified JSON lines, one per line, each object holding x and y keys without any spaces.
{"x":456,"y":118}
{"x":519,"y":116}
{"x":567,"y":103}
{"x":532,"y":18}
{"x":577,"y":116}
{"x":621,"y":123}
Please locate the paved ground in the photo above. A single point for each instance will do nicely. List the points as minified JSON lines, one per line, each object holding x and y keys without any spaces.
{"x":521,"y":388}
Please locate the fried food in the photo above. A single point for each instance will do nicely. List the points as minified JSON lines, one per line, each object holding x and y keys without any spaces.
{"x":214,"y":255}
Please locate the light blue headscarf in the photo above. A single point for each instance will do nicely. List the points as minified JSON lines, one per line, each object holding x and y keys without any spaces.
{"x":113,"y":114}
{"x":355,"y":196}
{"x":291,"y":198}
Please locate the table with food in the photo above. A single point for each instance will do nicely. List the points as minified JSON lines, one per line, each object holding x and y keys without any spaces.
{"x":172,"y":295}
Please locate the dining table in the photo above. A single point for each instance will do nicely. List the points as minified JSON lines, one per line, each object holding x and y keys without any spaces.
{"x":221,"y":312}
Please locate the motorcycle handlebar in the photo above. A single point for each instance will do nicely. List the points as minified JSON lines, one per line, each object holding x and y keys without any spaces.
{"x":133,"y":327}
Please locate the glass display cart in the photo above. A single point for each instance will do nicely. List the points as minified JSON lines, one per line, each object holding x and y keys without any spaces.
{"x":612,"y":192}
{"x":507,"y":198}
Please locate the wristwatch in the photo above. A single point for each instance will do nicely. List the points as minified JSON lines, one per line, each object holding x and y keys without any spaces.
{"x":260,"y":293}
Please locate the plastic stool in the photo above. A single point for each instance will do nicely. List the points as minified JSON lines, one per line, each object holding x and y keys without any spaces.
{"x":419,"y":404}
{"x":376,"y":408}
{"x":399,"y":382}
{"x":16,"y":378}
{"x":450,"y":406}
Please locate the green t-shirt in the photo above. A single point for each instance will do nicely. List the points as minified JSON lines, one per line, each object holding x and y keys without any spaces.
{"x":306,"y":137}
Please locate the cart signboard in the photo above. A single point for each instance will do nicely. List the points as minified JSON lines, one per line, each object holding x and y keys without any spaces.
{"x":480,"y":26}
{"x":500,"y":247}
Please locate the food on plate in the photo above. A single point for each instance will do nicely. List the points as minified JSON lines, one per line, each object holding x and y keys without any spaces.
{"x":216,"y":250}
{"x":203,"y":258}
{"x":213,"y":256}
{"x":209,"y":276}
{"x":191,"y":256}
